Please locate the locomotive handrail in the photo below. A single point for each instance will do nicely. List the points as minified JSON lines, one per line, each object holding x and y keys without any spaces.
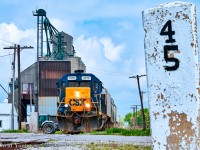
{"x":59,"y":105}
{"x":95,"y":95}
{"x":59,"y":92}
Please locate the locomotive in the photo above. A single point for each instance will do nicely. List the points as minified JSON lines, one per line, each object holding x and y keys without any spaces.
{"x":84,"y":104}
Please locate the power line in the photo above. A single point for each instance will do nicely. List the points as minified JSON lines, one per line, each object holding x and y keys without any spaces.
{"x":110,"y":74}
{"x":10,"y":43}
{"x":4,"y":44}
{"x":5,"y":55}
{"x":108,"y":71}
{"x":29,"y":53}
{"x":7,"y":41}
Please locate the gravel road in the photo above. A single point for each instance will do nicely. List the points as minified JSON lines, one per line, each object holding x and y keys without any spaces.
{"x":67,"y":141}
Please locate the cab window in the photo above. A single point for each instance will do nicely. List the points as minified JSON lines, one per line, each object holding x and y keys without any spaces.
{"x":84,"y":84}
{"x":73,"y":84}
{"x":95,"y":86}
{"x":63,"y":85}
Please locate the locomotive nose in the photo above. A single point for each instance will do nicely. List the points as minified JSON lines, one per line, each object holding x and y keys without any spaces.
{"x":78,"y":98}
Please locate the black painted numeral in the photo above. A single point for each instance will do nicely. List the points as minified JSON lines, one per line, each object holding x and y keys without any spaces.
{"x":167,"y":30}
{"x":168,"y":48}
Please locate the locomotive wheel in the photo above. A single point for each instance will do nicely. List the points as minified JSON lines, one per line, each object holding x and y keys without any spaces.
{"x":48,"y":128}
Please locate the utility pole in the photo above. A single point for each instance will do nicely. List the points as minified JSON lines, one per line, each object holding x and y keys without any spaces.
{"x":30,"y":98}
{"x":142,"y":92}
{"x":13,"y":86}
{"x":136,"y":106}
{"x":19,"y":89}
{"x":141,"y":100}
{"x":134,"y":124}
{"x":19,"y":85}
{"x":133,"y":109}
{"x":19,"y":81}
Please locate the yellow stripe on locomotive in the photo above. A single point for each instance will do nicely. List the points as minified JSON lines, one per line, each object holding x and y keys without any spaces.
{"x":78,"y":98}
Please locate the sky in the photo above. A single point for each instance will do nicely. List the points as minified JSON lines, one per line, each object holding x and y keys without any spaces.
{"x":108,"y":35}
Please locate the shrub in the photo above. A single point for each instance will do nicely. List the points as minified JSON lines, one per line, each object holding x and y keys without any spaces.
{"x":126,"y":132}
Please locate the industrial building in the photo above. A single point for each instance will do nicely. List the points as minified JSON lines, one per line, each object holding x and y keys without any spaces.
{"x":38,"y":81}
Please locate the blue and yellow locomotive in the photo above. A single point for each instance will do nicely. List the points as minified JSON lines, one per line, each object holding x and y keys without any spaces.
{"x":84,"y":104}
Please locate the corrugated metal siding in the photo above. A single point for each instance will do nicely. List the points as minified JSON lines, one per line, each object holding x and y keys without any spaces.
{"x":49,"y":74}
{"x":28,"y":76}
{"x":48,"y":105}
{"x":108,"y":100}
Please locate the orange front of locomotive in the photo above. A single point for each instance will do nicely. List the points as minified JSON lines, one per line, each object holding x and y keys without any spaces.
{"x":78,"y":99}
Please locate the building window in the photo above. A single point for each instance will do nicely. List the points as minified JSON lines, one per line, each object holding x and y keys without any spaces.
{"x":0,"y":123}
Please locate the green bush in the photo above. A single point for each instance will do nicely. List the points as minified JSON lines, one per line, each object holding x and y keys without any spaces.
{"x":126,"y":132}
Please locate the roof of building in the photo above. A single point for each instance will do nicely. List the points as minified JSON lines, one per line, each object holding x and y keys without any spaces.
{"x":5,"y":108}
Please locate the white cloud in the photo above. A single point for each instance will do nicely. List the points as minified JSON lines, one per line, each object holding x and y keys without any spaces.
{"x":111,"y":51}
{"x":89,"y":49}
{"x":100,"y":56}
{"x":10,"y":34}
{"x":97,"y":49}
{"x":66,"y":26}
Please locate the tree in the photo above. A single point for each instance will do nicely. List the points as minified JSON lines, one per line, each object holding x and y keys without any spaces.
{"x":147,"y":117}
{"x":121,"y":121}
{"x":129,"y":116}
{"x":128,"y":119}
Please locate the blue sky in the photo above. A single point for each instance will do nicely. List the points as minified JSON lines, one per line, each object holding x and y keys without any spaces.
{"x":108,"y":36}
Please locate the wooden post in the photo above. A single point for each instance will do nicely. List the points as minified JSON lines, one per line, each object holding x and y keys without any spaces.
{"x":171,"y":51}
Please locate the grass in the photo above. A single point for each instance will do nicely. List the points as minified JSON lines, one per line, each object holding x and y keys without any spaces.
{"x":15,"y":131}
{"x":59,"y":132}
{"x":109,"y":146}
{"x":51,"y":140}
{"x":121,"y":131}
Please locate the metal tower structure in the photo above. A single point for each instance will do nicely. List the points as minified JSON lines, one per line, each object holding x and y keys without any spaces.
{"x":40,"y":13}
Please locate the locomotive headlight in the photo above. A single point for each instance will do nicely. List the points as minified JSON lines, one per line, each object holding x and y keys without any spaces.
{"x":66,"y":105}
{"x":77,"y":94}
{"x":87,"y":105}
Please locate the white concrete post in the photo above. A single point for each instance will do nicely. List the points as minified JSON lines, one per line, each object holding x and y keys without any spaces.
{"x":33,"y":127}
{"x":172,"y":67}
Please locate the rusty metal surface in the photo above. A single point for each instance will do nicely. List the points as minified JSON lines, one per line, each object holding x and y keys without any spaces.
{"x":50,"y":72}
{"x":10,"y":145}
{"x":171,"y":50}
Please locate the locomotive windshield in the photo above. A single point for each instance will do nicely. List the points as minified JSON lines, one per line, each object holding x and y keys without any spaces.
{"x":79,"y":84}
